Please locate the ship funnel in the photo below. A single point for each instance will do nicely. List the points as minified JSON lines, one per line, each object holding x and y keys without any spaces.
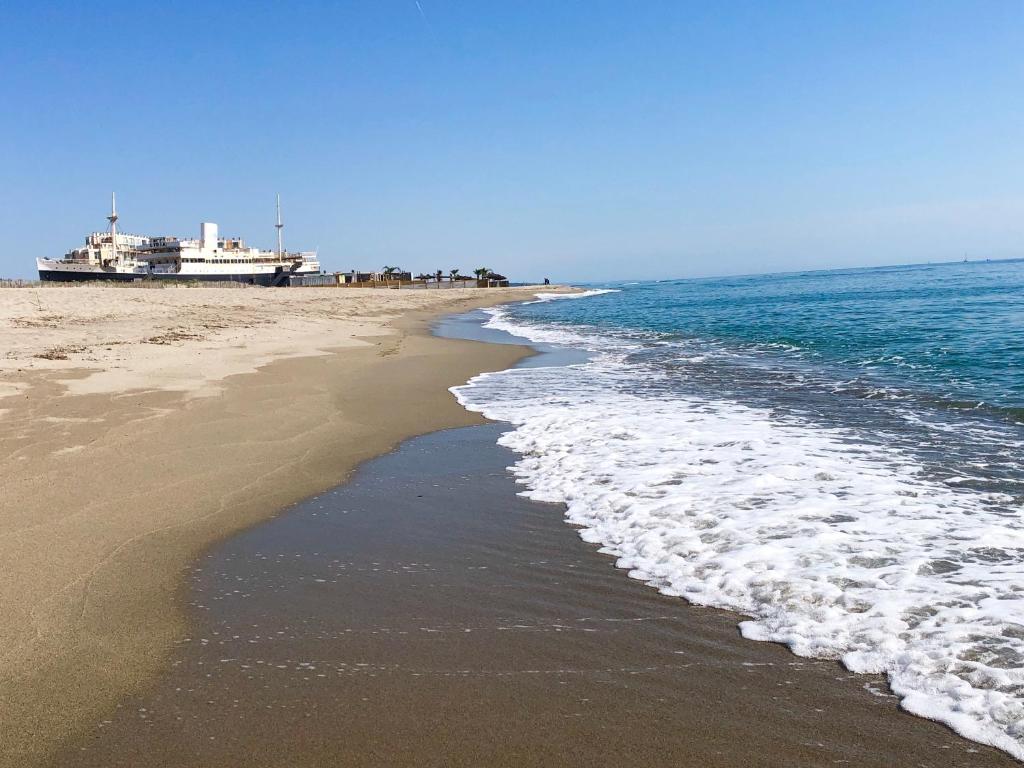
{"x":208,"y":234}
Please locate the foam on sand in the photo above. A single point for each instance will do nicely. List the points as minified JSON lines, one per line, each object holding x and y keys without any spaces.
{"x":834,"y":545}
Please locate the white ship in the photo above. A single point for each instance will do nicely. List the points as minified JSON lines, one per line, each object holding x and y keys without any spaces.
{"x":114,"y":255}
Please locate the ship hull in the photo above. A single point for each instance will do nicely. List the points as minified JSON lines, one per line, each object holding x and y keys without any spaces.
{"x":267,"y":279}
{"x":58,"y":276}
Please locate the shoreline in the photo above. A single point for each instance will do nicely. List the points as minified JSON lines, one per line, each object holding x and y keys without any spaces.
{"x":424,"y":614}
{"x":144,"y":669}
{"x":110,"y":495}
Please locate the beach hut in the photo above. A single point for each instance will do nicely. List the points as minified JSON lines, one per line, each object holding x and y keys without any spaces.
{"x":491,"y":280}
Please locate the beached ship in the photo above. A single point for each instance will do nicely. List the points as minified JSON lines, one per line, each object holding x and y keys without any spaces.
{"x":114,"y":255}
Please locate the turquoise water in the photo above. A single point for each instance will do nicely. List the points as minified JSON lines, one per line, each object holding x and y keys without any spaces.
{"x":951,"y":331}
{"x":834,"y":454}
{"x":927,"y":358}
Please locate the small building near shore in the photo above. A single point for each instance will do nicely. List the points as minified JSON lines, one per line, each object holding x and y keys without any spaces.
{"x":353,"y":276}
{"x":399,"y":276}
{"x":492,"y":280}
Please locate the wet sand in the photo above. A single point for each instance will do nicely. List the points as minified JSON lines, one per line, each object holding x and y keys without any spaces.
{"x":423,"y":614}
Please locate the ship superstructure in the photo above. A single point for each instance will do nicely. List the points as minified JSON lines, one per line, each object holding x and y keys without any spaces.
{"x":114,"y":255}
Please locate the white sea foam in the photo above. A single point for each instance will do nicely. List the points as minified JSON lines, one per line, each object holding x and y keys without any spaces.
{"x":581,"y":295}
{"x":832,"y":544}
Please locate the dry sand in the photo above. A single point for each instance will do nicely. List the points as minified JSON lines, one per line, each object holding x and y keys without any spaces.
{"x":138,"y":426}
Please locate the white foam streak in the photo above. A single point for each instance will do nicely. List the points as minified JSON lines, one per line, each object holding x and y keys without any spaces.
{"x":580,"y":337}
{"x":542,"y":297}
{"x":832,"y":545}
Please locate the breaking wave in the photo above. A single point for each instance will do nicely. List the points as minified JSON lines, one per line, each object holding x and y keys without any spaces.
{"x":836,"y":542}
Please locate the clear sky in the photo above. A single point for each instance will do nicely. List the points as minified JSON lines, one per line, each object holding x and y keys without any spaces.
{"x":574,"y":140}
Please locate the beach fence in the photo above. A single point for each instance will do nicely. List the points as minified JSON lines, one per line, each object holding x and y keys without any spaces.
{"x":332,"y":281}
{"x":298,"y":281}
{"x":18,"y":283}
{"x":344,"y":280}
{"x":137,"y":283}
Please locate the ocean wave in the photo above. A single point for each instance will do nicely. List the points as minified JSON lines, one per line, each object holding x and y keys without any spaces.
{"x":575,"y":335}
{"x":542,"y":297}
{"x":834,"y":545}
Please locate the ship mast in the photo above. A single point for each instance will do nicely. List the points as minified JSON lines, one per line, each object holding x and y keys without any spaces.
{"x":112,"y":218}
{"x":279,"y":226}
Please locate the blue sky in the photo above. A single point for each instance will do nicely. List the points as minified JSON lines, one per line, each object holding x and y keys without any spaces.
{"x":574,"y":140}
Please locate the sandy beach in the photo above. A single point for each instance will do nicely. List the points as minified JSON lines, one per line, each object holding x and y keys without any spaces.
{"x":186,"y":582}
{"x":139,"y":426}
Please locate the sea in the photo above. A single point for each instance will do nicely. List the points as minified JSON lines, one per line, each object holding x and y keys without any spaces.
{"x":834,"y":455}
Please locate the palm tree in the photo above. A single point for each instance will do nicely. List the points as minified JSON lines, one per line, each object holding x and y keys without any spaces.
{"x":482,"y":273}
{"x":454,"y":274}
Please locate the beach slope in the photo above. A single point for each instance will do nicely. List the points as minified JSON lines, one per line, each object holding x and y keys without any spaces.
{"x":138,"y":426}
